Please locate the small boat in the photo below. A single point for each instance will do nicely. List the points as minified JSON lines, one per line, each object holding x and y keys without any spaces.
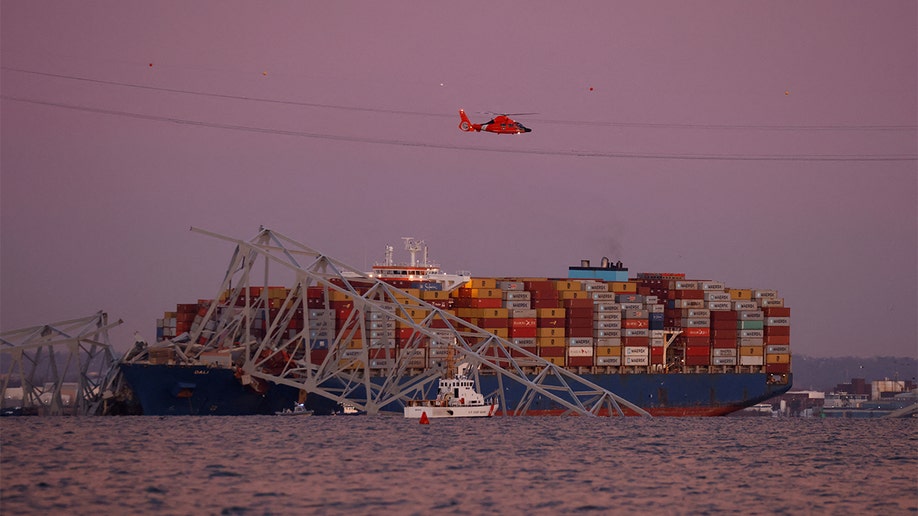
{"x":456,"y":397}
{"x":298,"y":410}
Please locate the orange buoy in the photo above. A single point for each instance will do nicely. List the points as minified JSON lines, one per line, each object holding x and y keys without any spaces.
{"x":424,"y":420}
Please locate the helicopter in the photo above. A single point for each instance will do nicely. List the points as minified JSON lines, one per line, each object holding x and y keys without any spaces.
{"x":500,"y":124}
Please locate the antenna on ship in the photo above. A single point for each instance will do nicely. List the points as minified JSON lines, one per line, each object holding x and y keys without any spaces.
{"x":413,"y":246}
{"x":389,"y":250}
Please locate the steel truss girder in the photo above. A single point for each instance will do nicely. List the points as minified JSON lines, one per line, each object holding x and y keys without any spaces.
{"x":346,"y":371}
{"x":42,"y":358}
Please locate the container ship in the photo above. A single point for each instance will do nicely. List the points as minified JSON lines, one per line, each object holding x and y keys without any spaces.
{"x":660,"y":344}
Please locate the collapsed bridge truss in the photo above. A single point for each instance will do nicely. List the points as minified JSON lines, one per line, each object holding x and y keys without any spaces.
{"x":60,"y":368}
{"x":275,"y":339}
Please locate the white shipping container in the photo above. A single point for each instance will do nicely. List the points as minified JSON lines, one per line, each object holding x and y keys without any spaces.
{"x":745,"y":305}
{"x":607,"y":316}
{"x":723,"y":352}
{"x":657,"y":342}
{"x":637,"y":361}
{"x":656,"y":309}
{"x":351,"y":354}
{"x":756,"y":334}
{"x":437,"y":352}
{"x":632,"y":307}
{"x":635,"y":314}
{"x":751,"y":361}
{"x":657,"y":334}
{"x":712,"y":285}
{"x":688,"y":303}
{"x":378,"y":316}
{"x":635,"y":351}
{"x":750,"y":341}
{"x":765,"y":294}
{"x":697,"y":313}
{"x":525,"y":313}
{"x":777,"y":349}
{"x":752,"y":315}
{"x":524,"y":341}
{"x":777,"y":321}
{"x":771,"y":302}
{"x":318,"y":313}
{"x":606,"y":306}
{"x":381,"y":334}
{"x":636,"y":332}
{"x":511,"y":285}
{"x":608,"y":341}
{"x":516,"y":305}
{"x":411,"y":353}
{"x":696,"y":322}
{"x":513,"y":295}
{"x":580,"y":341}
{"x":607,"y":325}
{"x":603,"y":296}
{"x":381,"y":363}
{"x":381,"y":325}
{"x":723,"y":361}
{"x":579,"y":351}
{"x":594,"y":286}
{"x":608,"y":361}
{"x":381,"y":343}
{"x":683,"y":285}
{"x":607,"y":334}
{"x":718,"y":306}
{"x":717,"y":296}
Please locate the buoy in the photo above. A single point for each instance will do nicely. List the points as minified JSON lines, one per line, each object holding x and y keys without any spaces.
{"x":424,"y":420}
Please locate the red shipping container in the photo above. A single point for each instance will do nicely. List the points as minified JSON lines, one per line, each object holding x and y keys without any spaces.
{"x":777,"y":339}
{"x":492,"y":322}
{"x":695,"y":341}
{"x":723,"y":325}
{"x":579,"y":322}
{"x":539,"y":285}
{"x":544,"y":295}
{"x":578,"y":303}
{"x":494,"y":302}
{"x":777,"y":330}
{"x":579,"y":361}
{"x":523,"y":332}
{"x":523,"y":322}
{"x":725,"y":315}
{"x":582,"y":332}
{"x":697,"y":361}
{"x":698,"y":351}
{"x":777,"y":311}
{"x":544,"y":303}
{"x":532,"y":349}
{"x":688,"y":294}
{"x":552,"y":351}
{"x":635,"y":323}
{"x":725,"y":333}
{"x":635,"y":341}
{"x":403,"y":333}
{"x":316,"y":356}
{"x":777,"y":368}
{"x":578,"y":312}
{"x":723,"y":343}
{"x":696,"y":332}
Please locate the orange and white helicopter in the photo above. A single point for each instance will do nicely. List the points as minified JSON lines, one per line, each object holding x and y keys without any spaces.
{"x":500,"y":124}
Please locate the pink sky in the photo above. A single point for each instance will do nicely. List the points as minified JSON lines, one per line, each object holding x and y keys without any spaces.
{"x":699,"y":118}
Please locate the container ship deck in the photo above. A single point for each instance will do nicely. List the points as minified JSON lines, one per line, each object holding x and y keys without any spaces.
{"x":600,"y":341}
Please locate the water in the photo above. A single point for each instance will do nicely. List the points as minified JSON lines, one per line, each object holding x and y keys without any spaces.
{"x":389,"y":465}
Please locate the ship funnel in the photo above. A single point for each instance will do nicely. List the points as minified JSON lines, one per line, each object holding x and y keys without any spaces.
{"x":604,"y":263}
{"x":584,"y":263}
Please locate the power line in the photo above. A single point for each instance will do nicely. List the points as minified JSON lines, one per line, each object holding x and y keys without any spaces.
{"x":651,"y":125}
{"x":408,"y":143}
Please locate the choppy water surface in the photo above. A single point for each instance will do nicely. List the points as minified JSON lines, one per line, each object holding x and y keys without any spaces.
{"x":374,"y":465}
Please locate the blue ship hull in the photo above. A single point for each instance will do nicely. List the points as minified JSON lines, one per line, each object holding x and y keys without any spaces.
{"x":202,"y":390}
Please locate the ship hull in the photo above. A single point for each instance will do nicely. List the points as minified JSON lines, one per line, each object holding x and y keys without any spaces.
{"x":200,"y":390}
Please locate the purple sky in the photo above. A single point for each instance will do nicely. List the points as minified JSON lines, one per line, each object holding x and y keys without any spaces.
{"x":99,"y":187}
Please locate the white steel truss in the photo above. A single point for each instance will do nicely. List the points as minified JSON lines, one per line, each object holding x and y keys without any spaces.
{"x":57,"y":369}
{"x":242,"y":317}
